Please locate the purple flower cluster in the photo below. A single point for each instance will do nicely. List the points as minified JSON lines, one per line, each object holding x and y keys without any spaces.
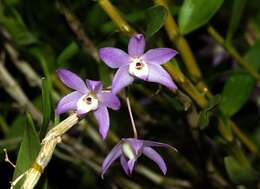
{"x":90,"y":96}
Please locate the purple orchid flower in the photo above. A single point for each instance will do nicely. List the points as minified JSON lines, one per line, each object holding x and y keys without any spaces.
{"x":130,"y":149}
{"x":87,"y":97}
{"x":137,"y":64}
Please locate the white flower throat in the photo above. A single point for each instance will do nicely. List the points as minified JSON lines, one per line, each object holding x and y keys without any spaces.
{"x":128,"y":151}
{"x":138,"y":68}
{"x":88,"y":102}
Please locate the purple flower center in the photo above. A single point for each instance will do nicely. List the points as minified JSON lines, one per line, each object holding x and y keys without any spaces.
{"x":88,"y":99}
{"x":139,"y":65}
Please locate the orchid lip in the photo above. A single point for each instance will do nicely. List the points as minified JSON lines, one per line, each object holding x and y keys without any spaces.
{"x":88,"y":102}
{"x":138,"y":68}
{"x":128,"y":151}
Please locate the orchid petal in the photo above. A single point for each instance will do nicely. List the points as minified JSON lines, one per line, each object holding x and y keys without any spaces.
{"x":135,"y":144}
{"x":68,"y":102}
{"x":95,"y":86}
{"x":158,"y":75}
{"x":159,"y":55}
{"x":153,"y":155}
{"x":114,"y":57}
{"x":124,"y":164}
{"x":109,"y":99}
{"x":102,"y":117}
{"x":121,"y":79}
{"x":136,"y":45}
{"x":148,"y":143}
{"x":111,"y":157}
{"x":72,"y":80}
{"x":131,"y":164}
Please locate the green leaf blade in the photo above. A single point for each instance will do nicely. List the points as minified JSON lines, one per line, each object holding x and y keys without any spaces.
{"x":196,"y":13}
{"x":156,"y":16}
{"x":46,"y":106}
{"x":28,"y":151}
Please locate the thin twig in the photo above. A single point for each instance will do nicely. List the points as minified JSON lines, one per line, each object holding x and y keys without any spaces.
{"x":78,"y":30}
{"x":7,"y":158}
{"x":16,"y":92}
{"x":131,"y":116}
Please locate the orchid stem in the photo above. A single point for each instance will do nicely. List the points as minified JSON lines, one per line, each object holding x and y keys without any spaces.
{"x":233,"y":53}
{"x":193,"y":91}
{"x":131,"y":116}
{"x":185,"y":51}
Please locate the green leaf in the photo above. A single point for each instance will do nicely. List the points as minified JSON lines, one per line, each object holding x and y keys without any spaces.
{"x":205,"y":115}
{"x":28,"y":151}
{"x":238,"y":173}
{"x":236,"y":91}
{"x":196,"y":13}
{"x":156,"y":16}
{"x":46,"y":107}
{"x":16,"y":27}
{"x":104,"y":74}
{"x":237,"y":11}
{"x":67,"y":53}
{"x":239,"y":86}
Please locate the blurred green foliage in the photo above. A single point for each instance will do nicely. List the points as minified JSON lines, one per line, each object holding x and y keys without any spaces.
{"x":46,"y":35}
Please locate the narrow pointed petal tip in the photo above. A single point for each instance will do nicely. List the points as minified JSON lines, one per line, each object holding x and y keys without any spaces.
{"x":72,"y":80}
{"x":102,"y":117}
{"x":153,"y":155}
{"x":114,"y":57}
{"x":159,"y":55}
{"x":111,"y":157}
{"x":158,"y":75}
{"x":136,"y":45}
{"x":121,"y":79}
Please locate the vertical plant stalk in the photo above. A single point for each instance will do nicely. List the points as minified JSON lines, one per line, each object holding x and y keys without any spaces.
{"x":15,"y":91}
{"x":184,"y":49}
{"x":116,"y":17}
{"x":174,"y":71}
{"x":131,"y":116}
{"x":52,"y":138}
{"x":233,"y":53}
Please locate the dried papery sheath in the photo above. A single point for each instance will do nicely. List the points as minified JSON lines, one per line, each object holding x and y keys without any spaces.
{"x":49,"y":143}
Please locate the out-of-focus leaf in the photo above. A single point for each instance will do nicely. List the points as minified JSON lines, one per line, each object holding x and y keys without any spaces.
{"x":196,"y":13}
{"x":205,"y":115}
{"x":224,"y":127}
{"x":239,"y":86}
{"x":15,"y":25}
{"x":237,"y":11}
{"x":17,"y":127}
{"x":252,"y":56}
{"x":46,"y":107}
{"x":236,"y":91}
{"x":173,"y":101}
{"x":104,"y":74}
{"x":28,"y":151}
{"x":155,"y":19}
{"x":67,"y":53}
{"x":238,"y":173}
